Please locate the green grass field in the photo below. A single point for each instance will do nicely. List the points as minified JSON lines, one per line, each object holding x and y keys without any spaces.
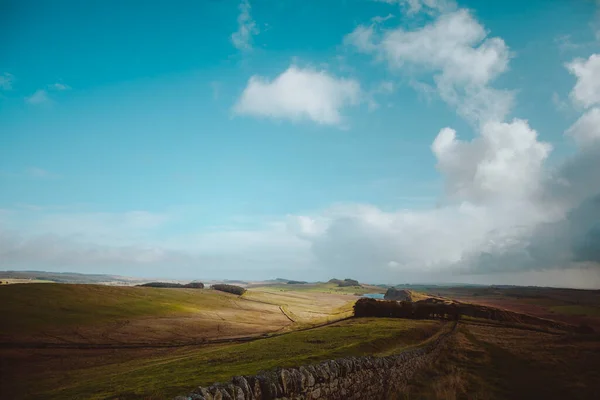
{"x":182,"y":370}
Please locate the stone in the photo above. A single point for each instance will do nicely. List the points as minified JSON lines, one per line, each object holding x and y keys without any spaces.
{"x":316,"y":393}
{"x":347,"y":378}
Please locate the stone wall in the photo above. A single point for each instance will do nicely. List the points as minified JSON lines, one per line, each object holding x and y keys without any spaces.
{"x":346,"y":378}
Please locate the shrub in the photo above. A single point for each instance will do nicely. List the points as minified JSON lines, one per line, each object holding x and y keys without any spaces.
{"x":194,"y":285}
{"x":229,"y":289}
{"x":366,"y":307}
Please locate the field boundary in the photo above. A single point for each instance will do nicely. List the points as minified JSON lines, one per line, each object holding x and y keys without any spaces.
{"x":345,"y":378}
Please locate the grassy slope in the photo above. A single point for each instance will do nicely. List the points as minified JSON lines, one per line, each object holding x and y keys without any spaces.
{"x":490,"y":361}
{"x":305,"y":308}
{"x":36,"y":306}
{"x":185,"y":369}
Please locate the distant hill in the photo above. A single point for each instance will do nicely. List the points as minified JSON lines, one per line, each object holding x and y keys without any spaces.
{"x":345,"y":283}
{"x":191,"y":285}
{"x":232,"y":281}
{"x":69,"y":277}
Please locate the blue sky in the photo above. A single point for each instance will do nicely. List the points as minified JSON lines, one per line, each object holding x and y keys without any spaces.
{"x":220,"y":139}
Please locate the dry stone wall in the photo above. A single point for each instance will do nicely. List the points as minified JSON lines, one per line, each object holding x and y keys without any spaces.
{"x":353,"y":378}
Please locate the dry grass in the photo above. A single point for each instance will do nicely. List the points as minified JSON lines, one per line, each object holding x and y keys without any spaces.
{"x":490,"y":361}
{"x":305,"y":307}
{"x":89,"y":315}
{"x":68,"y":313}
{"x":136,"y":375}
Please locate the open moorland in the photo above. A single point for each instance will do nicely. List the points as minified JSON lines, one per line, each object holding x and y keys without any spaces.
{"x":92,"y":341}
{"x":81,"y":341}
{"x":487,"y":360}
{"x":567,"y":305}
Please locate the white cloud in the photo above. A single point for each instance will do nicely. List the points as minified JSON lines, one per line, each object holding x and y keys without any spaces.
{"x":503,"y":163}
{"x":586,"y":131}
{"x":299,"y":94}
{"x":455,"y":44}
{"x":455,"y":47}
{"x":504,"y":206}
{"x":242,"y":38}
{"x":39,"y":97}
{"x":6,"y":81}
{"x":586,"y":92}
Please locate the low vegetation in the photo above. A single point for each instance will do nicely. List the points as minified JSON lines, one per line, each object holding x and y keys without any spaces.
{"x":345,"y":282}
{"x":487,"y":360}
{"x":436,"y":308}
{"x":233,"y":289}
{"x":366,"y":307}
{"x":182,"y":370}
{"x":191,"y":285}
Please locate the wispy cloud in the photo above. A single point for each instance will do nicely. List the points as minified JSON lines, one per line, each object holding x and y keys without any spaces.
{"x":379,"y":19}
{"x":242,"y":38}
{"x":42,"y":96}
{"x":59,"y":87}
{"x":383,"y":88}
{"x":560,"y":104}
{"x":6,"y":81}
{"x":39,"y":97}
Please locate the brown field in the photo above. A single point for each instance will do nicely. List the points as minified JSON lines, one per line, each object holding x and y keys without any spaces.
{"x":572,"y":306}
{"x":491,"y":361}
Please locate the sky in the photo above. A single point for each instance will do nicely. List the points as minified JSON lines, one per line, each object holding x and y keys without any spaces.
{"x":390,"y":141}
